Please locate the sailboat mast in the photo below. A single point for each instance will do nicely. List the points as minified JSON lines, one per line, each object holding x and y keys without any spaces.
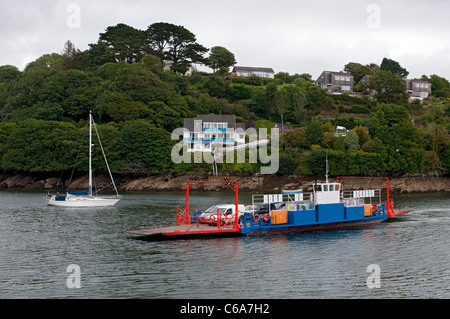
{"x":90,"y":154}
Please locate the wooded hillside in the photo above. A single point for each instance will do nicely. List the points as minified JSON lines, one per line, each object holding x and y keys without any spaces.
{"x":43,"y":110}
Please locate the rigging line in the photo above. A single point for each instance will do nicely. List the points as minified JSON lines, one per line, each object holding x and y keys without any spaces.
{"x":71,"y":174}
{"x":101,"y":189}
{"x":104,"y":156}
{"x":73,"y":168}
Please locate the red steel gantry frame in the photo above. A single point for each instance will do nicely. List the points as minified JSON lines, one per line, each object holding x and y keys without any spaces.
{"x":389,"y":201}
{"x":183,"y":216}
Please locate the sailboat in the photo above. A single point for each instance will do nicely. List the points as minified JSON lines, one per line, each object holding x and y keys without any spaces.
{"x":86,"y":198}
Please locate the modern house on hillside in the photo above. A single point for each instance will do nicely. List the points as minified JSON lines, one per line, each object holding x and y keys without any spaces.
{"x":248,"y":71}
{"x":335,"y":81}
{"x":207,"y":130}
{"x":418,"y":89}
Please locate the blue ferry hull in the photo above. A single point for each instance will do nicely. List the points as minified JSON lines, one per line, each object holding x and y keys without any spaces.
{"x":322,"y":217}
{"x":328,"y":207}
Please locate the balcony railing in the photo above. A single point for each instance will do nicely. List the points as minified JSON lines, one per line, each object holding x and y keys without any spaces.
{"x":212,"y":140}
{"x":214,"y":129}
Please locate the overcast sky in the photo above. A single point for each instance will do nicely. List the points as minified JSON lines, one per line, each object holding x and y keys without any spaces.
{"x":294,"y":36}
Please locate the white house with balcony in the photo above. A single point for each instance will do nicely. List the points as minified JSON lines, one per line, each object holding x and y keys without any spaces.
{"x":268,"y":73}
{"x":206,"y":131}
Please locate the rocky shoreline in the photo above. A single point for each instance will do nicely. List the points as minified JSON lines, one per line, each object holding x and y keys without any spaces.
{"x":254,"y":183}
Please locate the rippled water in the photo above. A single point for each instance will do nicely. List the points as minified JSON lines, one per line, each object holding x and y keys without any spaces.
{"x":38,"y":243}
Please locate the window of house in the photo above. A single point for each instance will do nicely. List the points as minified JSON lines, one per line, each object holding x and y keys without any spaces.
{"x":336,"y":78}
{"x":241,"y":136}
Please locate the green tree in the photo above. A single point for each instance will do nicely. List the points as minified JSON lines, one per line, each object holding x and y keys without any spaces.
{"x":41,"y":146}
{"x":138,"y":82}
{"x":288,"y":164}
{"x":295,"y":138}
{"x":394,"y":67}
{"x":5,"y":130}
{"x":153,"y":63}
{"x":363,"y":133}
{"x":176,"y":44}
{"x":8,"y":73}
{"x":315,"y":97}
{"x":127,"y":110}
{"x":297,"y":99}
{"x":316,"y":162}
{"x":351,"y":141}
{"x":281,"y":105}
{"x":314,"y":133}
{"x":98,"y":54}
{"x":220,"y":57}
{"x":358,"y":70}
{"x":125,"y":43}
{"x":339,"y":144}
{"x":144,"y":148}
{"x":159,"y":36}
{"x":389,"y":87}
{"x":439,"y":85}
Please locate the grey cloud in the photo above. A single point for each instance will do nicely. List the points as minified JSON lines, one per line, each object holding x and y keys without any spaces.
{"x":290,"y":36}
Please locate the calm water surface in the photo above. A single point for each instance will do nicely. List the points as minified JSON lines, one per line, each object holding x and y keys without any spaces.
{"x":38,"y":243}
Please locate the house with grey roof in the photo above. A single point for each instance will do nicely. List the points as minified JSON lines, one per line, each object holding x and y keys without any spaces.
{"x":335,"y":81}
{"x":206,"y":131}
{"x":418,"y":89}
{"x":248,"y":71}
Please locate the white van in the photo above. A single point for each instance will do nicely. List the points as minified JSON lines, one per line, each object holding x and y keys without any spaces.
{"x":225,"y":212}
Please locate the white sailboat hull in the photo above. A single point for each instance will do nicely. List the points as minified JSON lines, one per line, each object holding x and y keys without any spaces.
{"x":83,"y":202}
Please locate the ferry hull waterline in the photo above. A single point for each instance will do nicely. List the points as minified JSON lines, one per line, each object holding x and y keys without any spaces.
{"x":328,"y":207}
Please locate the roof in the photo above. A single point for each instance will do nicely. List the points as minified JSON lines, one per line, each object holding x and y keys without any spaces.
{"x":417,"y":80}
{"x":215,"y":118}
{"x":230,"y":119}
{"x":189,"y":124}
{"x":339,"y":73}
{"x":252,"y":69}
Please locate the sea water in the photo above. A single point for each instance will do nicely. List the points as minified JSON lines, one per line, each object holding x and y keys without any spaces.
{"x":51,"y":252}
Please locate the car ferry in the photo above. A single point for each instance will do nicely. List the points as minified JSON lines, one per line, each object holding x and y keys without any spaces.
{"x":328,"y":206}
